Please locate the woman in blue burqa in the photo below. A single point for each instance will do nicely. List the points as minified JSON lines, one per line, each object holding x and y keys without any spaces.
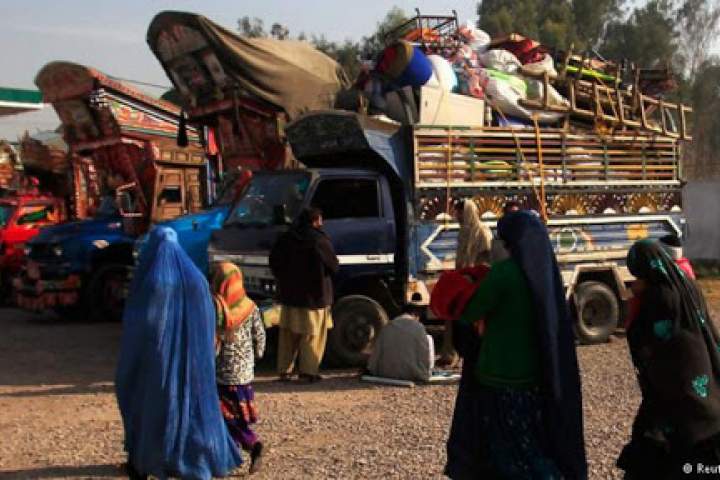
{"x":165,"y":379}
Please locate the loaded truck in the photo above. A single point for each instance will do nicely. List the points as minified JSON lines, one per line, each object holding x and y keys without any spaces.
{"x":144,"y":178}
{"x":239,"y":93}
{"x":21,"y":218}
{"x":48,"y":187}
{"x":387,"y":192}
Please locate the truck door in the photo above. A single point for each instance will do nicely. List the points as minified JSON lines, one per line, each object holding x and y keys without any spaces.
{"x":169,"y":201}
{"x":358,"y":217}
{"x":192,"y":190}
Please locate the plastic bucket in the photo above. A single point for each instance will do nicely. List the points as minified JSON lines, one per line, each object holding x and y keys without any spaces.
{"x":405,"y":65}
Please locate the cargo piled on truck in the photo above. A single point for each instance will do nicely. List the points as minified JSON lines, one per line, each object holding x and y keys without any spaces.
{"x":599,"y":167}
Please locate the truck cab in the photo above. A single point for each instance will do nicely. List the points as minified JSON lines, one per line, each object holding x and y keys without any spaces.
{"x":360,"y":219}
{"x":21,"y":218}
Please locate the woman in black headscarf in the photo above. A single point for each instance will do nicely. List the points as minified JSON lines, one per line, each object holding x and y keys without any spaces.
{"x":529,"y":395}
{"x":674,"y":346}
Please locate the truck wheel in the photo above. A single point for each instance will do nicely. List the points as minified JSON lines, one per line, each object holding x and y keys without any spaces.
{"x":598,"y":312}
{"x":105,"y":292}
{"x":357,"y":320}
{"x":6,"y":290}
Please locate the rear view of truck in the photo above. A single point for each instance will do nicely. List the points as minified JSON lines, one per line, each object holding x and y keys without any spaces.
{"x":598,"y":194}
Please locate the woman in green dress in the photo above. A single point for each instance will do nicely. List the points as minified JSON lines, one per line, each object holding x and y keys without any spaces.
{"x":530,"y":399}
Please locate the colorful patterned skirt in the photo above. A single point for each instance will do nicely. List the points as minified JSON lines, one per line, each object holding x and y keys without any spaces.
{"x":237,"y":404}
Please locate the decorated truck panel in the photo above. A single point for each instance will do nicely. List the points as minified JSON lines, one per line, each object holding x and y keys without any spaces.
{"x":144,"y":178}
{"x":242,"y":90}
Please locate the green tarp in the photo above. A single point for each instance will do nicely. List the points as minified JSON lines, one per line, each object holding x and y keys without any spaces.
{"x":289,"y":74}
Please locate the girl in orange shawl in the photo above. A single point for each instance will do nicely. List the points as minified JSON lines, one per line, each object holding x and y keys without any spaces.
{"x":240,"y":337}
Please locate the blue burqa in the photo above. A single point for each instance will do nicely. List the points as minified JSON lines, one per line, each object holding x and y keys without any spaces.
{"x":165,"y":378}
{"x":529,"y":244}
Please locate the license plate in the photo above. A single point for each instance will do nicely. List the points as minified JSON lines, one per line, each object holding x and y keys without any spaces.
{"x":33,"y":271}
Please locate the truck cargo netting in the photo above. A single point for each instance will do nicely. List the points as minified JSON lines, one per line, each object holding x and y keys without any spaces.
{"x":502,"y":157}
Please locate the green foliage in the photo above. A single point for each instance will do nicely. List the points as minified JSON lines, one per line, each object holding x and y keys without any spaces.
{"x":347,"y":53}
{"x":372,"y":44}
{"x":697,"y":24}
{"x":500,"y":17}
{"x":648,"y":37}
{"x":705,"y":95}
{"x":252,"y":28}
{"x":556,"y":23}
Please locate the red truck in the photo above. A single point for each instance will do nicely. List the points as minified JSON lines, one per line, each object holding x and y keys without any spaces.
{"x":21,"y":218}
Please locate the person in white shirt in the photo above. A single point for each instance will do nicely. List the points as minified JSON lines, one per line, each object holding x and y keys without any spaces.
{"x":403,"y":349}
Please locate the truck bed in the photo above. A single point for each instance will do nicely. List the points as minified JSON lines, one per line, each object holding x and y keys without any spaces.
{"x":502,"y":157}
{"x":600,"y":193}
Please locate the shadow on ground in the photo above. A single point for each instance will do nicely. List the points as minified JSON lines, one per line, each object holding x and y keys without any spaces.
{"x":60,"y":471}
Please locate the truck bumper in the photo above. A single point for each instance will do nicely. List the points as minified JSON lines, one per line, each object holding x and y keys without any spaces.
{"x":38,"y":294}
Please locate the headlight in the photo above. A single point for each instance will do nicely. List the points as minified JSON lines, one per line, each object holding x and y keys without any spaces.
{"x":100,"y":244}
{"x":27,"y":251}
{"x":58,"y":251}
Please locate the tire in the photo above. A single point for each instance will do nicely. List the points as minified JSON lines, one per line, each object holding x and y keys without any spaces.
{"x":6,"y":290}
{"x":105,"y":293}
{"x":357,"y":320}
{"x":597,"y":314}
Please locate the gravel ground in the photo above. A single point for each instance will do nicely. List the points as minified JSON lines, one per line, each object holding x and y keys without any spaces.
{"x":58,"y":416}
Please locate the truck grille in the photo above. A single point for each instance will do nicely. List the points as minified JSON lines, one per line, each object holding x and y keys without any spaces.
{"x":42,"y":252}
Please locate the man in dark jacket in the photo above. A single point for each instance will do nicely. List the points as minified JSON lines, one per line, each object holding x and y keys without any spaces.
{"x":303,"y":261}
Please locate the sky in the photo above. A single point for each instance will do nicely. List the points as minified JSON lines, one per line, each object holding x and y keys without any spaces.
{"x":110,"y":35}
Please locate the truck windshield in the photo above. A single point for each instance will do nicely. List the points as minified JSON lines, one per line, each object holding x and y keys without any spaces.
{"x":107,"y":208}
{"x":6,"y":211}
{"x":226,"y":189}
{"x":265,"y":194}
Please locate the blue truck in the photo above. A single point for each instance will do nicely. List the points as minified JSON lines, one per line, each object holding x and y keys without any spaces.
{"x":83,"y":268}
{"x":194,"y":230}
{"x":62,"y":259}
{"x":387,"y":193}
{"x":130,"y":140}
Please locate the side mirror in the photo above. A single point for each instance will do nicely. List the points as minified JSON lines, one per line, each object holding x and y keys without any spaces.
{"x":125,"y":201}
{"x":241,"y":185}
{"x":280,"y":215}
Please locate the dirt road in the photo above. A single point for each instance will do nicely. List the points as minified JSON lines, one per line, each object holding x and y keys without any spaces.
{"x":58,"y":416}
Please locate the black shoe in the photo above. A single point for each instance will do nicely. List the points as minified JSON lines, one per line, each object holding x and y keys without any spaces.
{"x":285,"y":377}
{"x":308,"y":378}
{"x":134,"y":474}
{"x":256,"y":457}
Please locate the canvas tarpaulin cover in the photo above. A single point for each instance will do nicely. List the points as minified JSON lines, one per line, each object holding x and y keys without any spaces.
{"x":289,"y":74}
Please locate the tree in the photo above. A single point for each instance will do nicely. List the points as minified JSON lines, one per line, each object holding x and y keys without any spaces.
{"x":555,"y":23}
{"x":648,"y":37}
{"x":348,"y":53}
{"x":373,"y":44}
{"x":499,"y":17}
{"x":252,"y":28}
{"x":592,"y":18}
{"x":702,"y":155}
{"x":697,"y":23}
{"x":279,"y":32}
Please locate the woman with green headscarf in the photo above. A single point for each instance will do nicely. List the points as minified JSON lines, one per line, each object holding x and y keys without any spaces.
{"x":674,"y":347}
